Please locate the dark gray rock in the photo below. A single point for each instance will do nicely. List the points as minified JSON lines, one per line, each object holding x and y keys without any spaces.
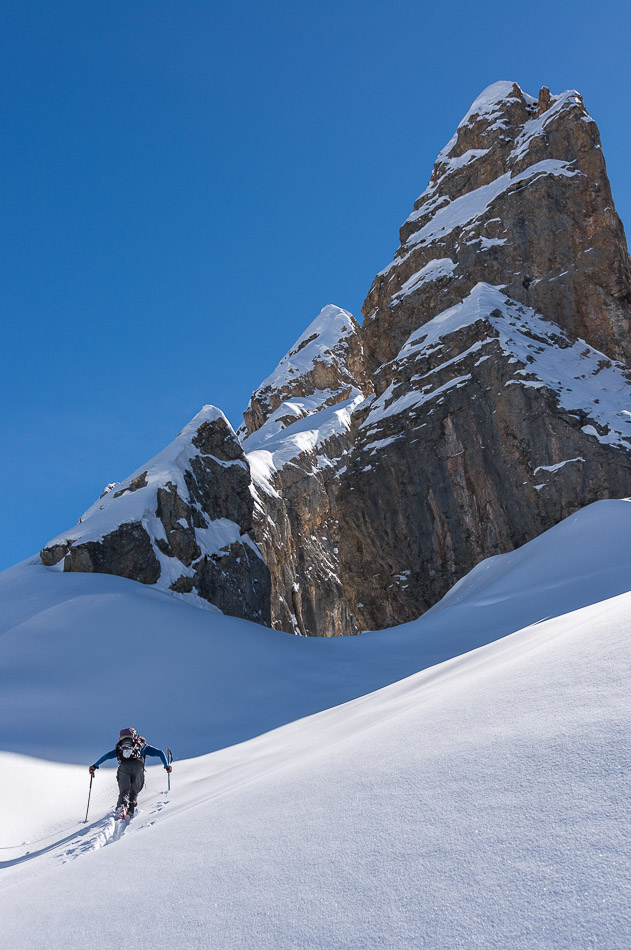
{"x":237,"y":581}
{"x":184,"y":523}
{"x":126,"y":551}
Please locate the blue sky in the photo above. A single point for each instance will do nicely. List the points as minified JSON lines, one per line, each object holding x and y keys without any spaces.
{"x":185,"y":185}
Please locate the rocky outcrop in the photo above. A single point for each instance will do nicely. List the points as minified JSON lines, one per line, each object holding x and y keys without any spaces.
{"x":498,"y":408}
{"x":495,"y":425}
{"x":297,"y":436}
{"x":319,"y":371}
{"x":183,"y":522}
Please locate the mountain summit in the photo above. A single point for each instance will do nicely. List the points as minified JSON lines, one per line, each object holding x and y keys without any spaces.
{"x":518,"y":198}
{"x":486,"y":396}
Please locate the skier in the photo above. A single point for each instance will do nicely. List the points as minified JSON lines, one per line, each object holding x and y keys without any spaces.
{"x":130,"y":750}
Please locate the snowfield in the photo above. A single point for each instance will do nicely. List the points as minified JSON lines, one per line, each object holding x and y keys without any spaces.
{"x":461,"y":781}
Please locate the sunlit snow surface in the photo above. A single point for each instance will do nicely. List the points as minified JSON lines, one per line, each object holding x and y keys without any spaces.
{"x":481,"y":802}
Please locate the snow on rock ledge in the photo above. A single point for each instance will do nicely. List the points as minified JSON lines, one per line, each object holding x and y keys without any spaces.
{"x":182,"y":521}
{"x":323,"y":364}
{"x":519,"y":197}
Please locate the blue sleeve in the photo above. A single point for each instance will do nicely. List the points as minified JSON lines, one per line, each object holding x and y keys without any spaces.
{"x":108,"y":755}
{"x":149,"y":750}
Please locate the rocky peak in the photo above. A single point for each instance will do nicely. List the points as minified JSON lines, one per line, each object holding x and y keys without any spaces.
{"x":543,"y":103}
{"x":486,"y":397}
{"x":491,"y":338}
{"x":518,"y":198}
{"x":495,"y":404}
{"x":182,"y":522}
{"x":319,"y":370}
{"x":500,"y":107}
{"x":296,"y":435}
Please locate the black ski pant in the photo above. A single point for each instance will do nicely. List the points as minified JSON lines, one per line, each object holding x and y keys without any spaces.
{"x":131,"y":778}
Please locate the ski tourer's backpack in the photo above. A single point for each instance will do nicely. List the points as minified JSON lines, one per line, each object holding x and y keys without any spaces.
{"x":129,"y":745}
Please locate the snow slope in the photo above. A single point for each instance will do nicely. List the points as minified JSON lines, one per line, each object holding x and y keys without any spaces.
{"x":82,"y":655}
{"x":477,"y":803}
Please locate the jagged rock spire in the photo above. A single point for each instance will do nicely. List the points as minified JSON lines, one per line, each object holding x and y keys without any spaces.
{"x":490,"y":341}
{"x":486,"y":397}
{"x":519,"y":198}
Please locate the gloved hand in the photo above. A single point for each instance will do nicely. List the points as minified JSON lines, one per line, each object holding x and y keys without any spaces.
{"x":92,"y":769}
{"x":169,"y":768}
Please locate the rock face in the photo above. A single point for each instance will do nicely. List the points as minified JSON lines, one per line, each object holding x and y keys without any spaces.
{"x":297,"y":436}
{"x":494,"y":426}
{"x":518,"y":198}
{"x":183,"y":522}
{"x":498,"y":407}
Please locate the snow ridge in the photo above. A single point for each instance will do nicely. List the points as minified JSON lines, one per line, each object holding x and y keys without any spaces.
{"x":134,"y":498}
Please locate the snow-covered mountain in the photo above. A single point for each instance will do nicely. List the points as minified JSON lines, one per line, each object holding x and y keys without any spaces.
{"x":476,"y":801}
{"x":486,"y":396}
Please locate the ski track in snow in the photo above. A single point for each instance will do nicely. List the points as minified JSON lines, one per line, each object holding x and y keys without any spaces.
{"x":87,"y":838}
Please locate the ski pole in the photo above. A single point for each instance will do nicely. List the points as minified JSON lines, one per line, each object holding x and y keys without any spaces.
{"x":169,"y":760}
{"x":89,"y":793}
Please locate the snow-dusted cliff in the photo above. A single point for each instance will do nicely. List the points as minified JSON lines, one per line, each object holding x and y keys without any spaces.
{"x":495,"y":400}
{"x":182,"y":521}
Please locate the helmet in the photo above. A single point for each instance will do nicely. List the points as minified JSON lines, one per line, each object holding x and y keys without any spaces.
{"x":129,"y":733}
